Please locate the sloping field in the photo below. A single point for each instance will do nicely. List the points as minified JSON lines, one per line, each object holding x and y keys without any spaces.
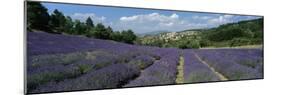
{"x":62,"y":62}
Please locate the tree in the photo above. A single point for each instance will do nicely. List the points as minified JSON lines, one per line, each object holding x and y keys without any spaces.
{"x":37,"y":16}
{"x":79,"y":28}
{"x":69,"y":26}
{"x":100,"y":27}
{"x":188,"y":44}
{"x":89,"y":22}
{"x":128,"y":36}
{"x":101,"y":32}
{"x":109,"y":30}
{"x":116,"y":36}
{"x":58,"y":21}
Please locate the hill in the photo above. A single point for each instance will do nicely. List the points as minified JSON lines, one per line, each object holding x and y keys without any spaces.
{"x":153,"y":33}
{"x":248,"y":32}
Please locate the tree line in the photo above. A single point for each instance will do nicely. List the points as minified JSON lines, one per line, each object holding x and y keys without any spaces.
{"x":38,"y":18}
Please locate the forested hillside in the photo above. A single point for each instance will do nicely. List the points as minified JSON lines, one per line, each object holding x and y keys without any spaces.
{"x":236,"y":34}
{"x":38,"y":18}
{"x":242,"y":33}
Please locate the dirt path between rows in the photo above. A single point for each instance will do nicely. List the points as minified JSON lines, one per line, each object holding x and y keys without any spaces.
{"x":180,"y":68}
{"x":221,"y":76}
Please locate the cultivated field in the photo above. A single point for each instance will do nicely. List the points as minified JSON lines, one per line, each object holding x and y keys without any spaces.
{"x":64,"y":62}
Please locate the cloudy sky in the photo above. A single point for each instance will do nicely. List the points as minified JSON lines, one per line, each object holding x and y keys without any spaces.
{"x":145,"y":20}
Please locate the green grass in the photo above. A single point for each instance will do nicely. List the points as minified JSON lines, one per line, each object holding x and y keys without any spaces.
{"x":84,"y":68}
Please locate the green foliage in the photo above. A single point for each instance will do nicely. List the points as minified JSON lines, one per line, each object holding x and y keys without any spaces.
{"x":80,"y":28}
{"x":84,"y":68}
{"x":116,"y":36}
{"x":258,"y":34}
{"x":109,"y":30}
{"x":188,"y":44}
{"x":182,"y":44}
{"x":241,"y":33}
{"x":68,"y":27}
{"x":228,"y":35}
{"x":128,"y":36}
{"x":233,"y":34}
{"x":101,"y":65}
{"x":152,"y":41}
{"x":205,"y":43}
{"x":58,"y":21}
{"x":239,"y":42}
{"x":89,"y":22}
{"x":37,"y":17}
{"x":100,"y":32}
{"x":141,"y":64}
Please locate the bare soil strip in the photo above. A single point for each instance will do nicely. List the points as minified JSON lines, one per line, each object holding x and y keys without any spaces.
{"x":180,"y":75}
{"x":237,"y":47}
{"x":221,"y":76}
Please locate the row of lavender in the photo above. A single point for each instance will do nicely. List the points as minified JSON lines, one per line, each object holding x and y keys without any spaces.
{"x":162,"y":72}
{"x":40,"y":43}
{"x":235,"y":64}
{"x":64,"y":63}
{"x":195,"y":70}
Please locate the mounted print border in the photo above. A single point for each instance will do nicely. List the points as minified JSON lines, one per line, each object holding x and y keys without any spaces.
{"x":78,"y":47}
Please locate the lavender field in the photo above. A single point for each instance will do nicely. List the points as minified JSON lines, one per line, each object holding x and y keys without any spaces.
{"x":58,"y":62}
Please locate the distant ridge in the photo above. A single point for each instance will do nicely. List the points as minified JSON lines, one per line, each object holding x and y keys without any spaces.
{"x":153,"y":33}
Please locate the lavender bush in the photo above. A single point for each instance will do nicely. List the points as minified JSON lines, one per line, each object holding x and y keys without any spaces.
{"x":196,"y":71}
{"x":162,"y":72}
{"x":64,"y":62}
{"x":142,"y":61}
{"x":227,"y":61}
{"x":109,"y":77}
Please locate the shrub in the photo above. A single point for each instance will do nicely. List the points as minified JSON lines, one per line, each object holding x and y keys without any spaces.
{"x":239,"y":42}
{"x":187,"y":44}
{"x":142,"y":61}
{"x":84,"y":68}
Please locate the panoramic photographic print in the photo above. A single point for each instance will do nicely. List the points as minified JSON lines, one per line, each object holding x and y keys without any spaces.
{"x":75,"y":47}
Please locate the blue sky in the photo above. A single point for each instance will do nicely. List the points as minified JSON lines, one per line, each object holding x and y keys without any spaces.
{"x":144,"y":20}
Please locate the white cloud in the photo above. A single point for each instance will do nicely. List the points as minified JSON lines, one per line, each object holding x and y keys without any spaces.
{"x":83,"y":16}
{"x":142,"y":23}
{"x":222,"y":19}
{"x":167,"y":24}
{"x":150,"y":17}
{"x":227,"y":16}
{"x":132,"y":18}
{"x":152,"y":22}
{"x":201,"y":17}
{"x":174,"y":16}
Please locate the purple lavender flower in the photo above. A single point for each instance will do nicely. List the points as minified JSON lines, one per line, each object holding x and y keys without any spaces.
{"x":196,"y":71}
{"x":109,"y":77}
